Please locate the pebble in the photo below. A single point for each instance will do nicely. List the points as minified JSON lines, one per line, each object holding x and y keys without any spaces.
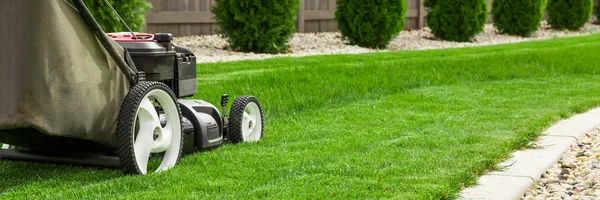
{"x":213,"y":48}
{"x":575,"y":175}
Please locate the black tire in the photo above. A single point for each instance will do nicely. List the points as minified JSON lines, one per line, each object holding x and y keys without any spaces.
{"x":127,"y":121}
{"x":234,"y":128}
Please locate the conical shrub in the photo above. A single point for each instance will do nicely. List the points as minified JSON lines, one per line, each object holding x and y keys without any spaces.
{"x":569,"y":14}
{"x":371,"y":24}
{"x":260,"y":26}
{"x":518,"y":17}
{"x":456,"y":20}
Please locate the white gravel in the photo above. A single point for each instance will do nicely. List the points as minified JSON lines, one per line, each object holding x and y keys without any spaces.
{"x":575,"y":176}
{"x":212,"y":48}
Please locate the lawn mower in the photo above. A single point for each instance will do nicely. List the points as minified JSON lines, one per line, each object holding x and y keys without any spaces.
{"x":73,"y":94}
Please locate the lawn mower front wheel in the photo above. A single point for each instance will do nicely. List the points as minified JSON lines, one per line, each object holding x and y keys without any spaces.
{"x":140,"y":133}
{"x":245,"y":120}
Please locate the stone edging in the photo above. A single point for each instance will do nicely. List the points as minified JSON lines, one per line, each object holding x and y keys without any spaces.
{"x":526,"y":167}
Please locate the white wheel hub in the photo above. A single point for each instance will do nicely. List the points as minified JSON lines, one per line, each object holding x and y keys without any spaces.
{"x":151,"y":136}
{"x":251,"y":123}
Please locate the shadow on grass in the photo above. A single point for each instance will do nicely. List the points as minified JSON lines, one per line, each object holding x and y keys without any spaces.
{"x":23,"y":175}
{"x":18,"y":174}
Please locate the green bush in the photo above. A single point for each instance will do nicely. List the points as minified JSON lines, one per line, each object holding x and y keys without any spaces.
{"x":371,"y":24}
{"x":518,"y":17}
{"x":569,"y":14}
{"x":456,"y":20}
{"x":133,"y":13}
{"x":260,"y":26}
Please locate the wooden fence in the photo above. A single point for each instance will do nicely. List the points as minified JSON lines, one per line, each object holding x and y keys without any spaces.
{"x":193,"y":17}
{"x":181,"y":17}
{"x":319,"y":15}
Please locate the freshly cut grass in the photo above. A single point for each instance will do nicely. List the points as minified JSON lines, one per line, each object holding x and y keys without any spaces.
{"x":405,"y":125}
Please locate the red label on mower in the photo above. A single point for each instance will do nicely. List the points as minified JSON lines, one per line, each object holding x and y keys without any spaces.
{"x":128,"y":37}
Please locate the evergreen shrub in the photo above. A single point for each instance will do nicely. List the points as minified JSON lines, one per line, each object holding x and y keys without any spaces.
{"x":456,"y":20}
{"x":518,"y":17}
{"x":569,"y":14}
{"x":260,"y":26}
{"x":371,"y":24}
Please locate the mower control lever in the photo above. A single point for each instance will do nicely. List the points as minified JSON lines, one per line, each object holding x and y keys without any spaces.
{"x":224,"y":101}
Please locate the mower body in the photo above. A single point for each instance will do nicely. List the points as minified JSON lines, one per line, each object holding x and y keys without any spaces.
{"x":175,"y":66}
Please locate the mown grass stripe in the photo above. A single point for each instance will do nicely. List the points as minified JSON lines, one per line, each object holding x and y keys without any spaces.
{"x":406,"y":125}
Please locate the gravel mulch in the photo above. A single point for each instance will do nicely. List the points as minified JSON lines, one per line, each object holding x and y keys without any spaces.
{"x":575,"y":176}
{"x":212,"y":48}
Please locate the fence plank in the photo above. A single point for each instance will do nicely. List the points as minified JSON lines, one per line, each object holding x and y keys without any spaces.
{"x":203,"y":29}
{"x":180,"y":6}
{"x":172,"y":5}
{"x":312,"y":26}
{"x":332,"y":4}
{"x":301,"y":16}
{"x":323,"y":4}
{"x":203,"y":5}
{"x":193,"y":6}
{"x":315,"y":5}
{"x":161,"y":5}
{"x":195,"y":29}
{"x":319,"y":14}
{"x":173,"y":28}
{"x":170,"y":17}
{"x":421,"y":16}
{"x":162,"y":28}
{"x":332,"y":26}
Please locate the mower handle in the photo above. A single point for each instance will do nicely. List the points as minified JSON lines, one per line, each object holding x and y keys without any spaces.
{"x":128,"y":69}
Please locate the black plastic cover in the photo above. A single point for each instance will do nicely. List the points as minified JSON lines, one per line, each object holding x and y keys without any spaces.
{"x":207,"y":122}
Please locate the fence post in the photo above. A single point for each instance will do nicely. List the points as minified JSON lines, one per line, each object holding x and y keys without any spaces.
{"x":422,"y":14}
{"x":300,"y":18}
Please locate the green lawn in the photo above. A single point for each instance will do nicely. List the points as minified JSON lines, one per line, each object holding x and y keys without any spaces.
{"x":402,"y":125}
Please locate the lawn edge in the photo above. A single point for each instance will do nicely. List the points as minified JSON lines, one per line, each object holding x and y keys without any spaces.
{"x":525,"y":167}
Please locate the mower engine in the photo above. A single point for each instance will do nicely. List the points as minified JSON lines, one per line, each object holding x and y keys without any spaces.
{"x":161,"y":60}
{"x":175,"y":66}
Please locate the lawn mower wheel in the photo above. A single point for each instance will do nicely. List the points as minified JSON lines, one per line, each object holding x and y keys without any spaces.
{"x":245,"y":120}
{"x":140,"y":134}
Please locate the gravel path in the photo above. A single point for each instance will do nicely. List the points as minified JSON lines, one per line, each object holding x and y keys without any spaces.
{"x":575,"y":176}
{"x":212,"y":48}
